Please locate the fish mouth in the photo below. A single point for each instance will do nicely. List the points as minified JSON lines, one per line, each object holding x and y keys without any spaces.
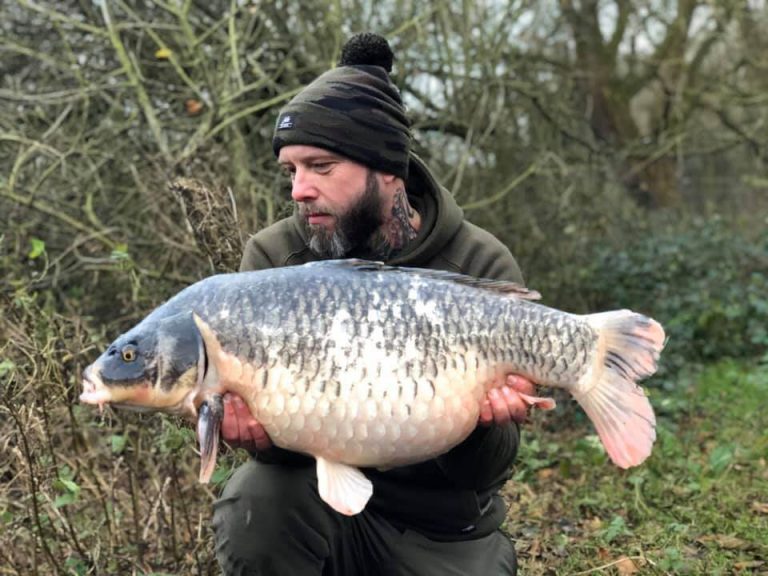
{"x":94,"y":390}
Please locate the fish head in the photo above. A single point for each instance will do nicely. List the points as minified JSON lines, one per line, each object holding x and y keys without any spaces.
{"x":156,"y":366}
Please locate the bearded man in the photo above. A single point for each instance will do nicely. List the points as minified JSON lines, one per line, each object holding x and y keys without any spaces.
{"x":360,"y":192}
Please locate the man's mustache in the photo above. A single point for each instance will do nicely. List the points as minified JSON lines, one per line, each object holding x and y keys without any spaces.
{"x":313,"y":209}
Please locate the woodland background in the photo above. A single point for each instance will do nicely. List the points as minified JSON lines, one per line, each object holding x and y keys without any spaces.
{"x":618,"y":147}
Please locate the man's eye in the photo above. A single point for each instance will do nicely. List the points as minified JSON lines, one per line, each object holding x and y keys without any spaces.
{"x":322,"y":167}
{"x":289,"y":172}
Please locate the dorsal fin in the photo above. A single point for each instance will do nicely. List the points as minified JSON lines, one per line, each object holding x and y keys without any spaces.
{"x":498,"y":286}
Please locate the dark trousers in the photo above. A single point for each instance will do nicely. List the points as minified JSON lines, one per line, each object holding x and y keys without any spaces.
{"x":270,"y":521}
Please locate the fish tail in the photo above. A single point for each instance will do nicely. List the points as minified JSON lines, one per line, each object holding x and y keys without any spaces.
{"x":628,"y":347}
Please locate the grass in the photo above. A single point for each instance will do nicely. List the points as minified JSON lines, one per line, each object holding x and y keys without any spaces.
{"x":699,"y":505}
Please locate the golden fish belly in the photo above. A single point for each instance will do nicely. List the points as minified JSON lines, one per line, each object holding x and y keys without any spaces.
{"x":391,"y":421}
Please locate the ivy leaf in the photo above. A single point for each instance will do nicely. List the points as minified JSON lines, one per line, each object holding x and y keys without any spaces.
{"x":617,"y":527}
{"x":220,"y":475}
{"x":70,"y":485}
{"x":38,"y":247}
{"x":120,"y":252}
{"x":6,"y":366}
{"x":64,"y":499}
{"x":118,"y":442}
{"x":720,"y":458}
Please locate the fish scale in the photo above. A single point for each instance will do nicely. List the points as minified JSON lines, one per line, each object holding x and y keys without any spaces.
{"x":360,"y":364}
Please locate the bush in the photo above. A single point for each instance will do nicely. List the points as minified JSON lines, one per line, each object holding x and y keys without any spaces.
{"x":705,"y":282}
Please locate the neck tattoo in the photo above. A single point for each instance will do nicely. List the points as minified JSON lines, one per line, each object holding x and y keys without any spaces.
{"x":398,"y":231}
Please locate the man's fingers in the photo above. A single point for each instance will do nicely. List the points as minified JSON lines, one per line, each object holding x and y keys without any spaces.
{"x":243,"y":419}
{"x":239,"y":428}
{"x":516,"y":406}
{"x":259,"y":436}
{"x":506,"y":403}
{"x":486,"y":413}
{"x":520,"y":384}
{"x":238,"y":404}
{"x":229,"y":425}
{"x":498,"y":402}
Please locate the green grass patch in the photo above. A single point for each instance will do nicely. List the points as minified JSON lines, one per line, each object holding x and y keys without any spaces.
{"x":698,"y":505}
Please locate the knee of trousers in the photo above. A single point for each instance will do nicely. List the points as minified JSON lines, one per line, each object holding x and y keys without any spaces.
{"x":268,"y":508}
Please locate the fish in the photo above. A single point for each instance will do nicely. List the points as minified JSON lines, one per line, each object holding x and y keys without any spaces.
{"x":361,"y":364}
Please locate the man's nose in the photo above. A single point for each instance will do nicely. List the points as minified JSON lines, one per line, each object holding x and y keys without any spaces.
{"x":303,"y":187}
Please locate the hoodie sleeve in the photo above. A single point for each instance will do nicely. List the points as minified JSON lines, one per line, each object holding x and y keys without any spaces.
{"x":483,"y":460}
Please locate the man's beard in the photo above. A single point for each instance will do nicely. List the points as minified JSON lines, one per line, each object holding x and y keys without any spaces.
{"x":353,"y":229}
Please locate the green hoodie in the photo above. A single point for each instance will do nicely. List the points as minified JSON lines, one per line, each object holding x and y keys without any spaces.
{"x":454,"y":496}
{"x":446,"y":241}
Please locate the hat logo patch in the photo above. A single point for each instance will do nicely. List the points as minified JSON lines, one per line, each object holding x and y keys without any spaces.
{"x":285,"y":123}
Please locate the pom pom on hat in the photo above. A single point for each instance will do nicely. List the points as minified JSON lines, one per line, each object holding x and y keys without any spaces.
{"x":354,"y":110}
{"x":367,"y":49}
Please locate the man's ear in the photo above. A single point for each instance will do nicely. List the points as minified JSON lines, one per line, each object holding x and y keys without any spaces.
{"x":389,"y":184}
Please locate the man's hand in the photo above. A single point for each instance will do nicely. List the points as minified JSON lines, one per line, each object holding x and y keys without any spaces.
{"x":511,"y":401}
{"x":239,"y":428}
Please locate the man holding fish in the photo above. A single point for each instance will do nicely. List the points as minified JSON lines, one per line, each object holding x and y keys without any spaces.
{"x":360,"y":193}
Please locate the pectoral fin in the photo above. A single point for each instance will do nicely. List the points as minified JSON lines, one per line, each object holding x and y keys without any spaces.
{"x":208,"y":429}
{"x":343,"y":487}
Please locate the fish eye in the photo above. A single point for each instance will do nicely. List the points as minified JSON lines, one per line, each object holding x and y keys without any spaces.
{"x":128,"y":354}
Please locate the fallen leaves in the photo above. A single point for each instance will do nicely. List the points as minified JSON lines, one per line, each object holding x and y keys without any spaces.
{"x":747,"y":565}
{"x":594,"y":524}
{"x":545,"y":474}
{"x":760,"y":507}
{"x":624,"y":565}
{"x":193,"y":106}
{"x":724,"y":541}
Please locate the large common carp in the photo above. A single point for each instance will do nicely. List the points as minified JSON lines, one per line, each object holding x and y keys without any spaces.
{"x":361,"y":364}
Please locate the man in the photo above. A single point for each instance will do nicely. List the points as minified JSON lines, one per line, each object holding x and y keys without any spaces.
{"x":361,"y":193}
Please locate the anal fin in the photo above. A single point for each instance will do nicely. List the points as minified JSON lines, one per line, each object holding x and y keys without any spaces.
{"x":344,"y":488}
